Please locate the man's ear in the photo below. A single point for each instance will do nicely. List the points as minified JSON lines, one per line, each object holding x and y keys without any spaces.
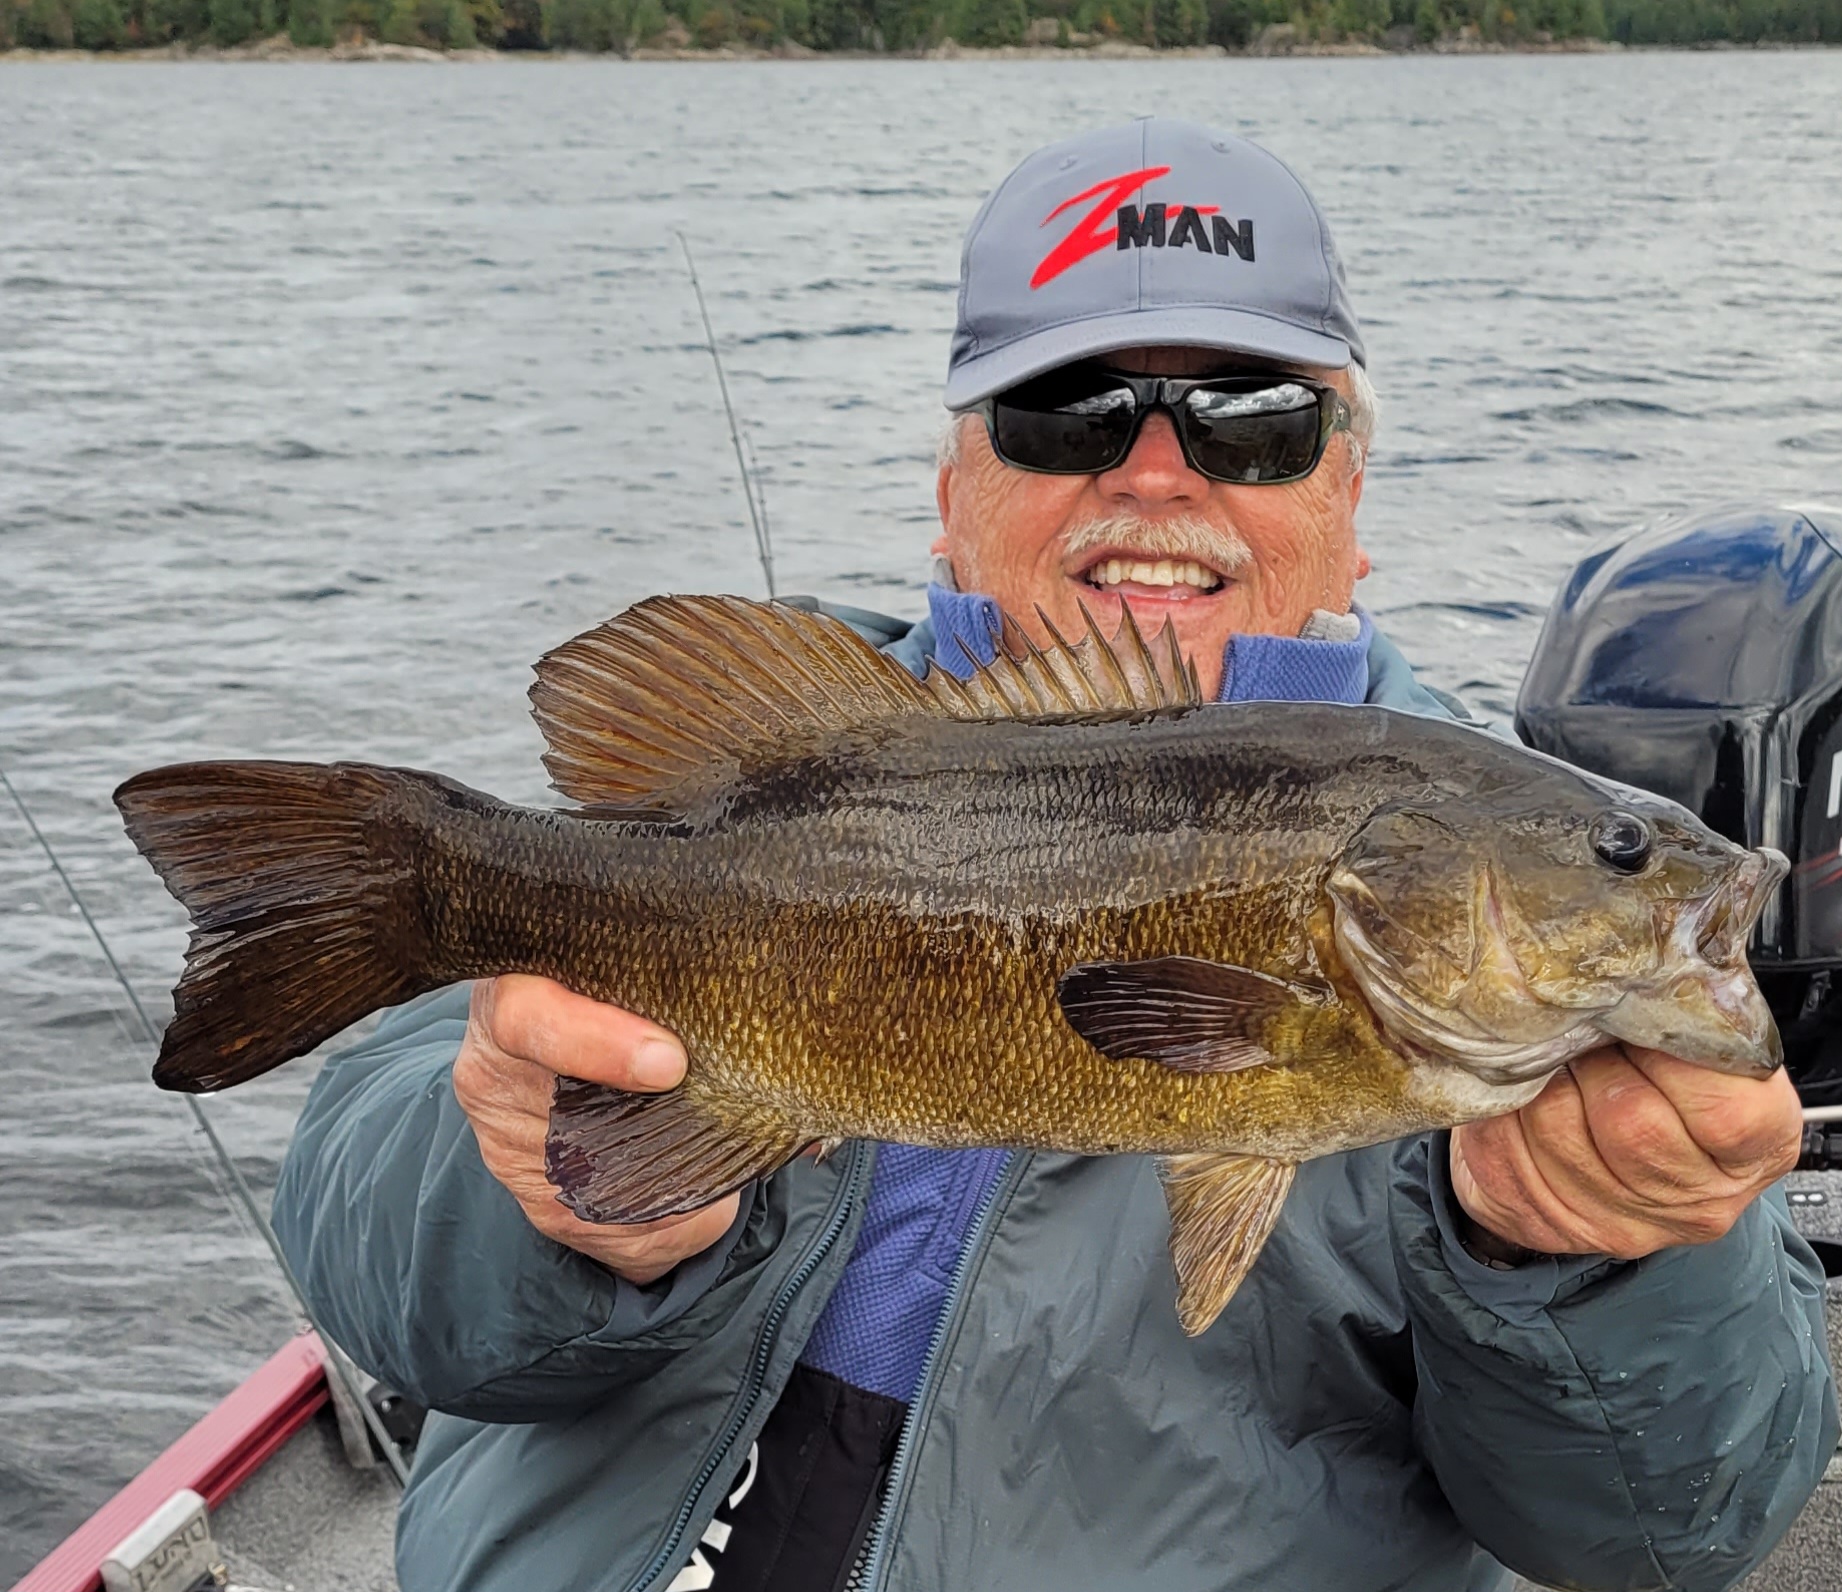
{"x":943,"y":499}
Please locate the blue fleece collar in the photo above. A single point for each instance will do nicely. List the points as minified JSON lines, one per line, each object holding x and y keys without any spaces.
{"x":1254,"y":668}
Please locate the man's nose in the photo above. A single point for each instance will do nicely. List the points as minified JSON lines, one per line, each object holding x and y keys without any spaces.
{"x":1155,"y":473}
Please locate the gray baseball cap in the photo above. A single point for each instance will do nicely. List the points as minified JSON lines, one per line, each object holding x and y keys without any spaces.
{"x":1153,"y":234}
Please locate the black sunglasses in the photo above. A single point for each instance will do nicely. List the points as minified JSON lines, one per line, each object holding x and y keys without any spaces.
{"x":1080,"y":420}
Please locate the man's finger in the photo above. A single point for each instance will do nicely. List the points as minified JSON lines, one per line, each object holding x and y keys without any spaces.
{"x":1740,"y":1122}
{"x":1637,"y":1132}
{"x":1604,"y":1213}
{"x":1598,"y":1212}
{"x":541,"y":1021}
{"x":1497,"y":1180}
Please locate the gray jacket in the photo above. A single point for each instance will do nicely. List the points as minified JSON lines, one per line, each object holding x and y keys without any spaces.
{"x":1373,"y":1410}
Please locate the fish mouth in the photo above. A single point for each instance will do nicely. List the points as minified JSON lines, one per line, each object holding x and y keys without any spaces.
{"x":1714,"y":1017}
{"x":1724,"y":920}
{"x":1710,"y":1010}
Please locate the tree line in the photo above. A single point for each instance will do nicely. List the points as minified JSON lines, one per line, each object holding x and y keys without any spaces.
{"x":905,"y":25}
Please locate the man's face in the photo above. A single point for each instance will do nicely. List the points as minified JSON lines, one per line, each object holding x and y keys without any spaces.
{"x":1248,"y":559}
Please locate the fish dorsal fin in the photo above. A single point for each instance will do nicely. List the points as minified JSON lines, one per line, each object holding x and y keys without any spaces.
{"x":677,"y":688}
{"x":1089,"y":676}
{"x":1222,"y":1210}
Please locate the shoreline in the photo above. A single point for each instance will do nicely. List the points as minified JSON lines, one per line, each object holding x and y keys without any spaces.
{"x":281,"y":49}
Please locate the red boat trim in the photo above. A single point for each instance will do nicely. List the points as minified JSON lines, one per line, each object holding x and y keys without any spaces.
{"x":214,"y":1458}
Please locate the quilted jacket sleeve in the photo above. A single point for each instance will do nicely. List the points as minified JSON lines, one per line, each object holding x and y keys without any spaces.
{"x":1601,"y":1424}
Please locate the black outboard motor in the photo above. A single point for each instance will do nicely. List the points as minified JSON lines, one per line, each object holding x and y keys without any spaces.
{"x":1702,"y":659}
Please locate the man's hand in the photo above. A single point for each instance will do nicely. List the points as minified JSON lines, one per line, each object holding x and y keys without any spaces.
{"x":521,"y":1033}
{"x":1626,"y":1152}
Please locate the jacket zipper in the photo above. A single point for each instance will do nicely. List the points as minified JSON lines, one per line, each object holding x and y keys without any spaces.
{"x":873,"y":1563}
{"x":843,"y":1202}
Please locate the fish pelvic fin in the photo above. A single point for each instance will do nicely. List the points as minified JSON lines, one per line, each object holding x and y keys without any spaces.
{"x":1222,"y":1210}
{"x":301,"y":881}
{"x":620,"y":1157}
{"x":677,"y":689}
{"x":1183,"y":1012}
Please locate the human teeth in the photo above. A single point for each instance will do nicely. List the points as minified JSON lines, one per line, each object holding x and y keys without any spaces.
{"x":1145,"y":572}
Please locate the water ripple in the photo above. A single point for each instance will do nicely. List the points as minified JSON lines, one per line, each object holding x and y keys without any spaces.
{"x":373,"y":386}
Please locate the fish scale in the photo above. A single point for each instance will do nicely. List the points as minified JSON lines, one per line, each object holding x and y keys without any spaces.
{"x":1061,"y":906}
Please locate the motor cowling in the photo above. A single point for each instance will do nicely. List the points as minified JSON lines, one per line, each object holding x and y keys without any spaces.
{"x":1701,"y":658}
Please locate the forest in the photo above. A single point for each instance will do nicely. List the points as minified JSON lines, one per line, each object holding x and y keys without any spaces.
{"x":910,"y":26}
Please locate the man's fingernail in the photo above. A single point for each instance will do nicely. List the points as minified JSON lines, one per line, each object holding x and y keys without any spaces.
{"x":657,"y":1063}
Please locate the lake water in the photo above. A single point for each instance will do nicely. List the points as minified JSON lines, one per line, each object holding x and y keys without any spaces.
{"x":332,"y":396}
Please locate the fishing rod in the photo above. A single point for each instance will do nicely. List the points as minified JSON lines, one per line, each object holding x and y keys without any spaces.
{"x":335,"y":1359}
{"x":751,"y":486}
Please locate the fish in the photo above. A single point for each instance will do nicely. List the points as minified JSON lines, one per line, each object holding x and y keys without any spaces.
{"x":1059,"y":904}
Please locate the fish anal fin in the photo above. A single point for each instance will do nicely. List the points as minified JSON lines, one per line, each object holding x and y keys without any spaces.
{"x":1181,"y":1011}
{"x":1222,"y":1210}
{"x":619,"y":1157}
{"x":676,"y":691}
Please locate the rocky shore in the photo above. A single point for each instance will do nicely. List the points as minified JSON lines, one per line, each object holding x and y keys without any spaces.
{"x":1279,"y":39}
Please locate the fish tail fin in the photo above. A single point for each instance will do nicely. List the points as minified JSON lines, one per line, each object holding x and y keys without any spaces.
{"x":301,"y":879}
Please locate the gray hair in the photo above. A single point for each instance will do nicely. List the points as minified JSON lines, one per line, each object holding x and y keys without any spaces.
{"x":1365,"y":415}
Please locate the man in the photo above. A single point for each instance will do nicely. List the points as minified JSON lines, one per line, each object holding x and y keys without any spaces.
{"x":1574,"y":1341}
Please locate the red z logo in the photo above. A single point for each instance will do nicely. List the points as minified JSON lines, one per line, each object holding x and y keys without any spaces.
{"x":1086,"y":238}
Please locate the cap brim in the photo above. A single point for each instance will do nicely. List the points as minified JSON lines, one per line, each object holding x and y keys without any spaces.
{"x":1195,"y":326}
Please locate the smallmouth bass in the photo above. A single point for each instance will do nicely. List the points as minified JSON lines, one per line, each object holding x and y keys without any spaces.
{"x":1060,"y":905}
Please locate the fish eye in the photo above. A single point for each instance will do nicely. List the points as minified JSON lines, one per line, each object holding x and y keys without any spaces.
{"x":1621,"y":840}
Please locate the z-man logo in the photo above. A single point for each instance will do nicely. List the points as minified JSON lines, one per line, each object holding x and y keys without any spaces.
{"x":1131,"y":229}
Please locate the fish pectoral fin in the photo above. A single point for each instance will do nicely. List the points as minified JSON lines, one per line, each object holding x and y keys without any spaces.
{"x":1222,"y":1209}
{"x":1180,"y":1011}
{"x":619,"y":1157}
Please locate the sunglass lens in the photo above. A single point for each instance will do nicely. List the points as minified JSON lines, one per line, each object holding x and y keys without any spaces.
{"x":1073,"y":425}
{"x":1263,"y":434}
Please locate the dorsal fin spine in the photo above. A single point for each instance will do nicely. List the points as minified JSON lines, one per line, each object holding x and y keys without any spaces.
{"x":1108,"y":658}
{"x":648,"y":709}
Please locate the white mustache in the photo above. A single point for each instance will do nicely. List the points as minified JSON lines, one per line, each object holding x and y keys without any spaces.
{"x":1182,"y":536}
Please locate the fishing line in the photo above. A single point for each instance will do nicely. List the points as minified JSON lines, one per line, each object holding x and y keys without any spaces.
{"x":751,"y":486}
{"x":246,"y":1198}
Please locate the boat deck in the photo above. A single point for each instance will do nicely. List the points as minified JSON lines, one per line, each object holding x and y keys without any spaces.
{"x":309,"y":1522}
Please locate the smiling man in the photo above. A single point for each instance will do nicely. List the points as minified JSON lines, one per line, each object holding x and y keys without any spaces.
{"x":1576,"y":1341}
